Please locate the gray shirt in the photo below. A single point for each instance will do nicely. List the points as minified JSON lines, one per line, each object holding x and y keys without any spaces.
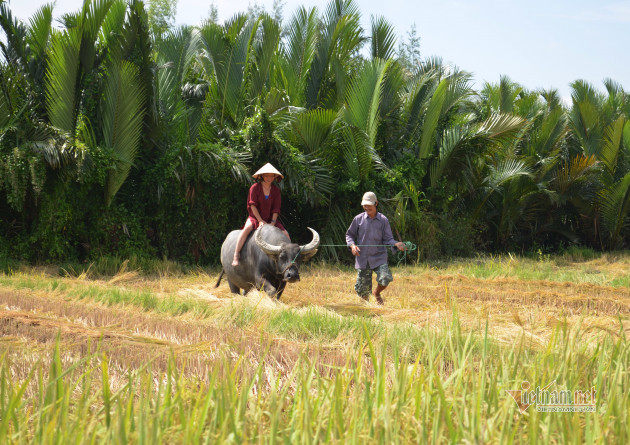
{"x":366,"y":233}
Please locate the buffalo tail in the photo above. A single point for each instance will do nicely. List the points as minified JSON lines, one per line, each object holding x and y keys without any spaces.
{"x":219,"y":280}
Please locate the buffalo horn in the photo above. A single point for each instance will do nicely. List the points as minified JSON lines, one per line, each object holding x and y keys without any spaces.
{"x":313,"y":244}
{"x":269,"y":249}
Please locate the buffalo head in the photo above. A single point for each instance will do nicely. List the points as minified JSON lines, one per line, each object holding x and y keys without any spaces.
{"x":287,"y":255}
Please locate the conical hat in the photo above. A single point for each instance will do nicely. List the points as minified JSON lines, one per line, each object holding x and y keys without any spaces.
{"x":268,"y":168}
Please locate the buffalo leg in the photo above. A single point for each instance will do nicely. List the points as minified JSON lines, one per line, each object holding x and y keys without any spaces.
{"x":283,"y":284}
{"x":263,"y":283}
{"x":233,"y":288}
{"x":269,"y":288}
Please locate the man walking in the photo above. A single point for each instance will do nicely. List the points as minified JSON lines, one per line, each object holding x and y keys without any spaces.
{"x":367,"y":237}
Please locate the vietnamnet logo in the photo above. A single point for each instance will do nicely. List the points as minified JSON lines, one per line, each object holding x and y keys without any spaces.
{"x":553,"y":401}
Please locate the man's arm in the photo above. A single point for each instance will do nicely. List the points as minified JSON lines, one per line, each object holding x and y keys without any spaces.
{"x":351,"y":237}
{"x":388,"y":237}
{"x":351,"y":233}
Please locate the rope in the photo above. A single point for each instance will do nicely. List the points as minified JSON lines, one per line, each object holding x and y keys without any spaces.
{"x":402,"y":254}
{"x":298,"y":254}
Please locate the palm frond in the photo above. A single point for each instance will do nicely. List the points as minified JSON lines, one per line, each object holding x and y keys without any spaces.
{"x":360,"y":158}
{"x":612,"y":145}
{"x":356,"y":162}
{"x":434,"y":111}
{"x":552,"y":98}
{"x":430,"y":65}
{"x":175,"y":54}
{"x":265,"y":47}
{"x":222,"y":158}
{"x":583,"y":91}
{"x":55,"y":152}
{"x":575,"y":172}
{"x":122,"y":122}
{"x":276,"y":101}
{"x":339,"y":8}
{"x":415,"y":99}
{"x":113,"y":22}
{"x":508,"y":91}
{"x":93,"y":14}
{"x":364,"y":96}
{"x":15,"y":32}
{"x":549,"y":133}
{"x":298,"y":52}
{"x":313,"y":127}
{"x":383,"y":38}
{"x":615,"y":203}
{"x":5,"y":112}
{"x":61,"y":80}
{"x":584,"y":119}
{"x":613,"y":87}
{"x":340,"y":37}
{"x":227,"y":49}
{"x":501,"y":126}
{"x":452,"y":140}
{"x":85,"y":132}
{"x":459,"y":90}
{"x":347,"y":38}
{"x":333,"y":97}
{"x":391,"y":99}
{"x":585,"y":116}
{"x":38,"y":34}
{"x":307,"y":178}
{"x":505,"y":171}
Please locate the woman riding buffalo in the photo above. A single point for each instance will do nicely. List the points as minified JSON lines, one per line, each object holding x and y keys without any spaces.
{"x":263,"y":205}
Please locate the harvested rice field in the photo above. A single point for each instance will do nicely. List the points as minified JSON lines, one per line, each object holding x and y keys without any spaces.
{"x":456,"y":354}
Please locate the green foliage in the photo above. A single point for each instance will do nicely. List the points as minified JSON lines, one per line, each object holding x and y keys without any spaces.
{"x":120,"y":134}
{"x":579,"y":254}
{"x":409,"y":51}
{"x":161,"y":14}
{"x":122,"y":123}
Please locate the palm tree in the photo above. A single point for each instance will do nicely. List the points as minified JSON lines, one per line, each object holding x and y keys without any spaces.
{"x":340,"y":37}
{"x":600,"y":129}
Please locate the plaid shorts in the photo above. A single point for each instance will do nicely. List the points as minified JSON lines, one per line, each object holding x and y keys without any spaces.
{"x":363,"y":285}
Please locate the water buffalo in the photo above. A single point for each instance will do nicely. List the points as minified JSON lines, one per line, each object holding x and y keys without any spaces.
{"x":267,"y":260}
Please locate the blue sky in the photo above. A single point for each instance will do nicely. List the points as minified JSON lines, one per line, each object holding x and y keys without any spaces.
{"x":540,"y":44}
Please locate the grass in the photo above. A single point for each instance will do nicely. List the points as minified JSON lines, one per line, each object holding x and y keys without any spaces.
{"x":136,"y":358}
{"x":576,"y":266}
{"x":314,"y":325}
{"x":113,"y":265}
{"x":146,"y":300}
{"x":453,"y":391}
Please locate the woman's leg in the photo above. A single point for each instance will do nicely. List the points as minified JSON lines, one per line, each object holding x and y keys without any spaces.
{"x":241,"y":240}
{"x":286,"y":234}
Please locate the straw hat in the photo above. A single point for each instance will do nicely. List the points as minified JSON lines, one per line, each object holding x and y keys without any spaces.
{"x":268,"y":168}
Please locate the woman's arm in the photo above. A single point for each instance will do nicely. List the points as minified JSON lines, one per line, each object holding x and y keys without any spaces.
{"x":277,"y":201}
{"x":253,"y":195}
{"x":257,"y":214}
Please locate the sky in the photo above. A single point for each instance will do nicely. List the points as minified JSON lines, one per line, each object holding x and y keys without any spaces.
{"x":539,"y":44}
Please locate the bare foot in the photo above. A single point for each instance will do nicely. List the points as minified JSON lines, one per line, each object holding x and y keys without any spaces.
{"x":365,"y":297}
{"x":235,"y":261}
{"x":379,"y":300}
